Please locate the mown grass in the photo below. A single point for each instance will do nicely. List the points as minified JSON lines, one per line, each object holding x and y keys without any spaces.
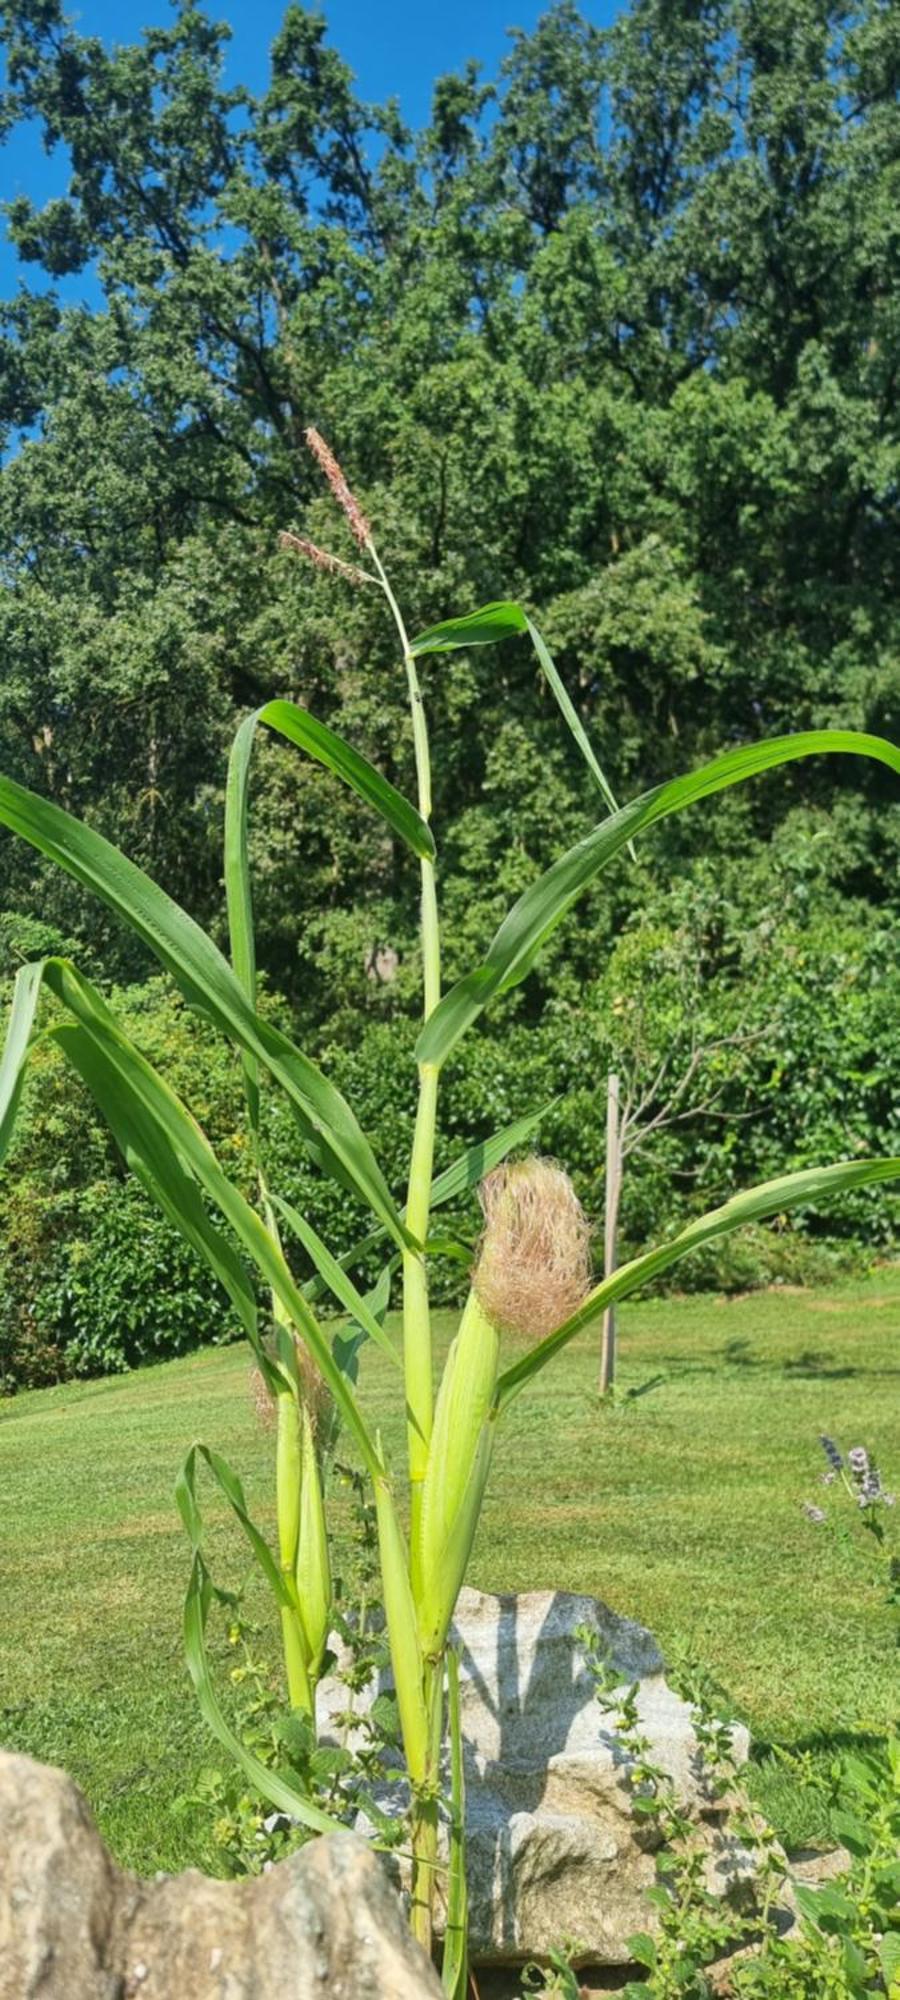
{"x":681,"y":1506}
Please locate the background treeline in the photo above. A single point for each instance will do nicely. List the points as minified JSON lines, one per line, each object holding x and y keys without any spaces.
{"x":618,"y":335}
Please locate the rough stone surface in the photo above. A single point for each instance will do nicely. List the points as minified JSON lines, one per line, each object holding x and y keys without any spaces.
{"x":554,"y":1848}
{"x":73,"y":1926}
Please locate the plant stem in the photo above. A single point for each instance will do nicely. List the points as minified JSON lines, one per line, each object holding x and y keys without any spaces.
{"x":416,"y":1315}
{"x":425,"y":1812}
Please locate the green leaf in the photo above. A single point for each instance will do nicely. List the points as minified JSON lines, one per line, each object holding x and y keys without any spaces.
{"x":26,"y":995}
{"x":501,"y":620}
{"x":230,"y":1485}
{"x":208,"y":984}
{"x":336,"y":1279}
{"x":198,"y":1599}
{"x":148,"y":1151}
{"x":543,"y":905}
{"x":768,"y":1198}
{"x":470,"y":1167}
{"x":345,"y":1346}
{"x":331,"y":750}
{"x":855,"y":1966}
{"x":506,"y":620}
{"x":172,"y":1146}
{"x":642,"y":1948}
{"x":570,"y":714}
{"x":889,"y":1960}
{"x":853,"y":1833}
{"x":825,"y":1907}
{"x":239,"y":895}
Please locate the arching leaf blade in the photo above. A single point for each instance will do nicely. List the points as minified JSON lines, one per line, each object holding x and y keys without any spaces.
{"x":20,"y":1029}
{"x":239,"y":893}
{"x":458,"y":1179}
{"x":198,"y":1599}
{"x":545,"y":902}
{"x":208,"y":983}
{"x":266,"y":1782}
{"x":570,"y":714}
{"x":318,"y":741}
{"x":499,"y":620}
{"x":118,"y":1074}
{"x":335,"y":1278}
{"x":753,"y":1205}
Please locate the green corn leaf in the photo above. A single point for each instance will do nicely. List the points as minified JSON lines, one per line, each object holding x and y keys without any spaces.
{"x":570,"y":714}
{"x":146,"y":1148}
{"x":267,"y":1783}
{"x":336,"y":1279}
{"x":501,"y":620}
{"x":200,"y":1593}
{"x":132,"y":1096}
{"x":149,"y":1153}
{"x":454,"y":1967}
{"x":769,"y":1198}
{"x":505,"y":620}
{"x":230,"y":1485}
{"x":345,"y":1347}
{"x":239,"y":895}
{"x":208,"y":983}
{"x":321,"y":743}
{"x":544,"y":904}
{"x":465,"y":1172}
{"x":23,"y":1012}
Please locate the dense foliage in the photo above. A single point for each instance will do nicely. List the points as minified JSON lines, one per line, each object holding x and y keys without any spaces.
{"x":616,"y":335}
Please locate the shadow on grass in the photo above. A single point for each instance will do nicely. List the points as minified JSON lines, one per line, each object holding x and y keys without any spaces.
{"x":644,"y":1388}
{"x":819,"y":1743}
{"x":813,"y":1364}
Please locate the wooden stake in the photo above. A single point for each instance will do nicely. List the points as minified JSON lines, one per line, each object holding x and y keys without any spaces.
{"x":613,"y":1188}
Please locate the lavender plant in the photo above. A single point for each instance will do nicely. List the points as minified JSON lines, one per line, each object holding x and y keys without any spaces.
{"x":860,"y":1507}
{"x":531,"y":1276}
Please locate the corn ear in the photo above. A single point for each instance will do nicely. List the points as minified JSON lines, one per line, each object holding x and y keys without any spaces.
{"x":313,"y":1569}
{"x":448,"y":1561}
{"x":287,"y":1480}
{"x":463,"y":1403}
{"x":458,"y":1458}
{"x":403,"y":1639}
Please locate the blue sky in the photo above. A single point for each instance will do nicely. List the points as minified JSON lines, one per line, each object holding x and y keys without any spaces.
{"x":396,"y":48}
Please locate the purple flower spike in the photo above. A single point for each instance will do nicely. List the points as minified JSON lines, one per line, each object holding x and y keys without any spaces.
{"x":813,"y":1513}
{"x":858,"y":1461}
{"x":831,"y":1452}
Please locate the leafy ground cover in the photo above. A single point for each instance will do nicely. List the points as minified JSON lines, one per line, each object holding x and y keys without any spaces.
{"x":681,"y":1506}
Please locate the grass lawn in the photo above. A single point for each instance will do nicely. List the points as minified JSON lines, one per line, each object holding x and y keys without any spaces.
{"x":681,"y":1507}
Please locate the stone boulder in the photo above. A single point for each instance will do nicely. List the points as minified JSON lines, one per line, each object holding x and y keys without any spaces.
{"x":555,"y":1850}
{"x":73,"y":1926}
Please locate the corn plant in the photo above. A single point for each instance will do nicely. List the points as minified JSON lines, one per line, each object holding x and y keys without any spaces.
{"x":532,"y":1274}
